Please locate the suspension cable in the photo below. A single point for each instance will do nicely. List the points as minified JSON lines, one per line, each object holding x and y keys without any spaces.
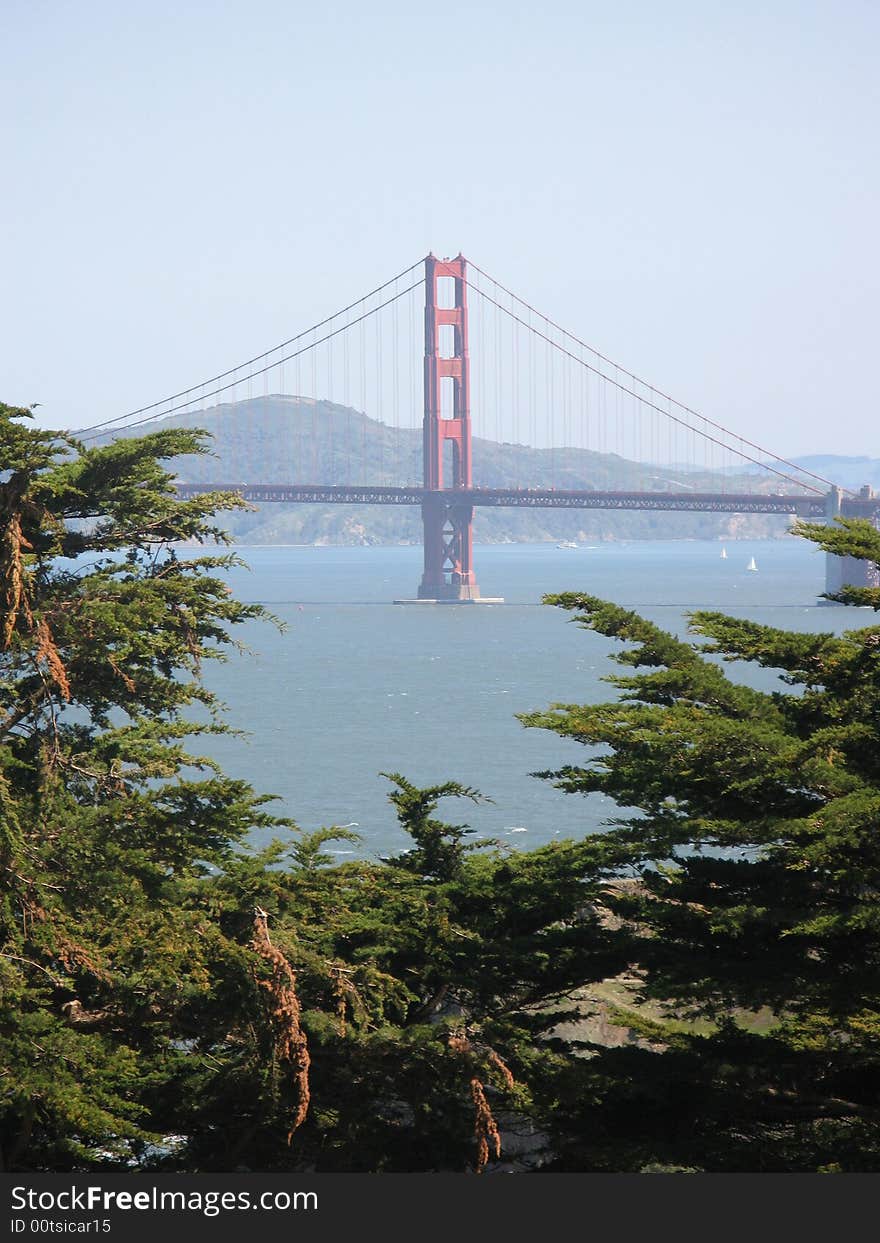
{"x":681,"y":422}
{"x":652,"y":388}
{"x":296,"y":354}
{"x":256,"y":359}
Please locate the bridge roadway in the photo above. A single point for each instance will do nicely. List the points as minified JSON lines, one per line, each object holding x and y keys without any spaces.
{"x":803,"y":505}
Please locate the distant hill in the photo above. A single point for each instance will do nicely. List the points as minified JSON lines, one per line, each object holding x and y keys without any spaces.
{"x":849,"y":472}
{"x":285,"y":439}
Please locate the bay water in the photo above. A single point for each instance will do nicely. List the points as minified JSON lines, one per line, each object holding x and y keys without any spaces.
{"x":357,"y":685}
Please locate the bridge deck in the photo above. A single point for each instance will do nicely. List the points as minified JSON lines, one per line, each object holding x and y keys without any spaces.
{"x":803,"y":505}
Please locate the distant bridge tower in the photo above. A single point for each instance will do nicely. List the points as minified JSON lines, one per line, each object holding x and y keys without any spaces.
{"x":849,"y":571}
{"x":447,"y":521}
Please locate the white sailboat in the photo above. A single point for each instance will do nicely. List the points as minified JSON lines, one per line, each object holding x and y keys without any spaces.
{"x":723,"y":554}
{"x":751,"y":565}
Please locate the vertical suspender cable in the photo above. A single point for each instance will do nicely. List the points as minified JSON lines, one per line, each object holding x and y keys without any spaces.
{"x":379,"y":412}
{"x":330,"y":471}
{"x":413,"y":393}
{"x":550,"y":398}
{"x":515,"y":369}
{"x":395,"y":380}
{"x":346,"y":397}
{"x":316,"y":478}
{"x":499,"y":363}
{"x":366,"y":473}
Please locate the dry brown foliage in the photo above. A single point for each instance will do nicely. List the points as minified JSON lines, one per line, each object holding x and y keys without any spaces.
{"x":503,"y":1069}
{"x":291,"y":1045}
{"x":14,"y":581}
{"x":74,"y":958}
{"x":486,"y":1131}
{"x":12,"y":548}
{"x":485,"y":1127}
{"x":48,"y":652}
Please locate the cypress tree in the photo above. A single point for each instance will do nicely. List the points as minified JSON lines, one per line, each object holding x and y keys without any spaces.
{"x":752,"y":881}
{"x":169,"y":996}
{"x":109,"y":824}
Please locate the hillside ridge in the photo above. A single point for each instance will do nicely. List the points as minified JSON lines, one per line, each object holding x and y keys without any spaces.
{"x":279,"y":438}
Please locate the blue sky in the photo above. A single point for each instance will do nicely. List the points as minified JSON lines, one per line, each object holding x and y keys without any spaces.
{"x":692,"y":188}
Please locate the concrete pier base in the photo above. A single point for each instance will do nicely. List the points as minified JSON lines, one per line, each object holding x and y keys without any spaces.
{"x":843,"y":572}
{"x":848,"y":572}
{"x":453,"y":600}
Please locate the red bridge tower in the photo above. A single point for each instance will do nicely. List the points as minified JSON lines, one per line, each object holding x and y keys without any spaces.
{"x":448,"y":522}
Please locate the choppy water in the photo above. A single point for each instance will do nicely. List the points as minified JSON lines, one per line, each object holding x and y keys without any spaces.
{"x":358,"y":685}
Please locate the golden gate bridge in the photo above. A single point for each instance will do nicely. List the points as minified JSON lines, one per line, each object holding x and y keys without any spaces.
{"x":536,"y":384}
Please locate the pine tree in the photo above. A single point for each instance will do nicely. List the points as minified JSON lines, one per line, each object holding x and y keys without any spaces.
{"x":756,"y":847}
{"x":108,"y":824}
{"x":423,"y":982}
{"x":170,"y":997}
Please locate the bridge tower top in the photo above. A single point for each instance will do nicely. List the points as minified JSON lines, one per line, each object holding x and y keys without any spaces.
{"x":447,"y":414}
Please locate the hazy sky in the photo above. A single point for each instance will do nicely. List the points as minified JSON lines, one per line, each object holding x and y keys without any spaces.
{"x":690,"y":187}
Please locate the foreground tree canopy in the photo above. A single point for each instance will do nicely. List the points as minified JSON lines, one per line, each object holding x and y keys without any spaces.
{"x":171,"y":998}
{"x":757,"y":846}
